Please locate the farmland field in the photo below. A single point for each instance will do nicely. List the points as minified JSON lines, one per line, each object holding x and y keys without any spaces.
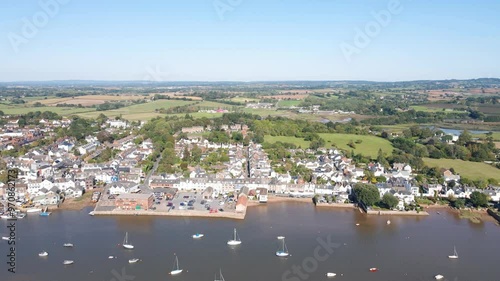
{"x":213,"y":105}
{"x":470,"y":170}
{"x":369,"y":145}
{"x":64,"y":111}
{"x":143,"y":111}
{"x":88,"y":100}
{"x":288,"y":103}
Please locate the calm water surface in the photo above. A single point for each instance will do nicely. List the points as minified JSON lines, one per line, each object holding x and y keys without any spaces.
{"x":410,"y":248}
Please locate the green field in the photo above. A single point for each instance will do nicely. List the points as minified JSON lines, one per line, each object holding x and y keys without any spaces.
{"x":425,"y":108}
{"x":144,"y":111}
{"x":368,"y":147}
{"x":288,"y":103}
{"x":244,"y":100}
{"x":297,"y":141}
{"x":65,"y":111}
{"x":470,"y":170}
{"x":213,"y":105}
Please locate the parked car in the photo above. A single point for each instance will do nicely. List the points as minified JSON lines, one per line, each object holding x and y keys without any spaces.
{"x":221,"y":210}
{"x":170,"y":204}
{"x":203,"y":202}
{"x":111,"y":197}
{"x":190,"y":208}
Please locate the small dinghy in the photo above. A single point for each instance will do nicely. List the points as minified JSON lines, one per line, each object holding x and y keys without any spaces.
{"x":331,"y":274}
{"x":43,"y":254}
{"x":68,"y":262}
{"x":133,"y":260}
{"x":373,"y":269}
{"x":68,"y":245}
{"x":439,"y":277}
{"x":198,"y":235}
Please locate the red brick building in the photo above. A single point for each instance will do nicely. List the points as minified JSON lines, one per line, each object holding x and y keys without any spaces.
{"x":134,"y":201}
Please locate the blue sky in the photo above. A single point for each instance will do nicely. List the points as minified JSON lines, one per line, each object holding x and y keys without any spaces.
{"x":248,"y":40}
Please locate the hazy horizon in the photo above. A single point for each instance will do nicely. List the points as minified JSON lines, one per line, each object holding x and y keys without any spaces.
{"x":248,"y":41}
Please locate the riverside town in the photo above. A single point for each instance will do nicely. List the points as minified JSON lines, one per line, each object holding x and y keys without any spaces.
{"x":249,"y":140}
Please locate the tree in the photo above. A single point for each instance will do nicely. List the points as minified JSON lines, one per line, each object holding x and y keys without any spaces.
{"x":464,"y":138}
{"x":459,"y":203}
{"x":390,"y":201}
{"x":479,"y":199}
{"x":366,"y":193}
{"x":105,"y":136}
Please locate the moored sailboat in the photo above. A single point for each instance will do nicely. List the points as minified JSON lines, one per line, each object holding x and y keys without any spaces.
{"x":176,"y":269}
{"x":221,"y":278}
{"x":126,"y":244}
{"x":235,"y":240}
{"x":455,"y":254}
{"x":283,"y":250}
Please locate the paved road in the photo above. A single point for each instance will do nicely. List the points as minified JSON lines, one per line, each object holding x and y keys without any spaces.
{"x":145,"y":185}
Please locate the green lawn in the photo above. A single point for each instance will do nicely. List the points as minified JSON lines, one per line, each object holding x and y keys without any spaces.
{"x":471,"y":170}
{"x":368,"y":147}
{"x":297,"y":141}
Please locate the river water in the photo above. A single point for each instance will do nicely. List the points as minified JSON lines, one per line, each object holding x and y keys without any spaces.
{"x":319,"y":241}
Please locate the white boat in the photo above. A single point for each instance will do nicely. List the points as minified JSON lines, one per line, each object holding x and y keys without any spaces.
{"x":235,"y":240}
{"x":33,"y":210}
{"x":69,"y":245}
{"x":281,"y":237}
{"x":20,"y":215}
{"x":455,"y":254}
{"x":133,"y":260}
{"x":331,"y":274}
{"x":198,"y":235}
{"x":91,"y":213}
{"x":221,"y":278}
{"x":388,"y":221}
{"x":439,"y":277}
{"x":282,"y":251}
{"x":126,"y":245}
{"x":7,"y":217}
{"x":43,"y":254}
{"x":68,"y":262}
{"x":111,"y":257}
{"x":45,"y":213}
{"x":176,"y":270}
{"x":5,"y":238}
